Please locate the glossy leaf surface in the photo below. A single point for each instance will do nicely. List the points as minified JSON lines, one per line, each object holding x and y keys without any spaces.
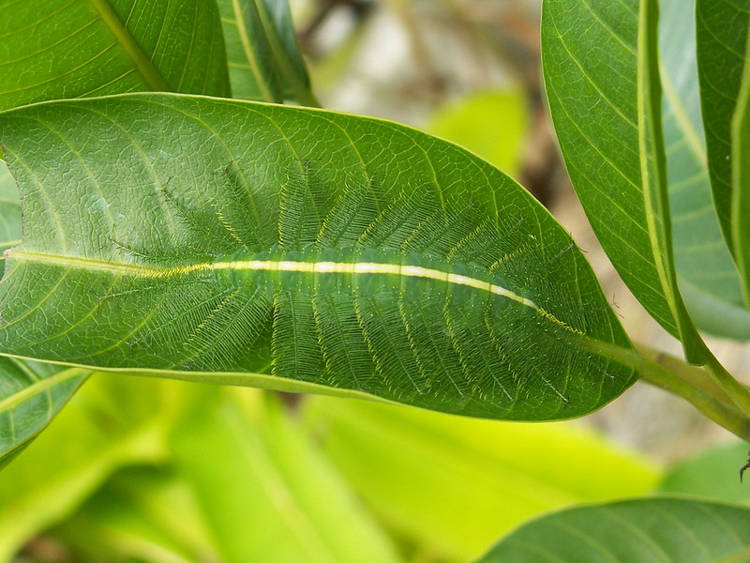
{"x":602,"y":79}
{"x":297,"y":249}
{"x":262,"y":52}
{"x":721,"y":30}
{"x":706,"y":271}
{"x":69,"y":49}
{"x":646,"y":530}
{"x":450,"y":485}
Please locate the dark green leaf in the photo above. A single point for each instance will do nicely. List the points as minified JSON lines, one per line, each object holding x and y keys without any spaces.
{"x":721,"y":28}
{"x":297,"y":249}
{"x":262,"y":51}
{"x":706,"y":272}
{"x":602,"y":78}
{"x":741,"y":179}
{"x":647,"y":530}
{"x":69,"y":49}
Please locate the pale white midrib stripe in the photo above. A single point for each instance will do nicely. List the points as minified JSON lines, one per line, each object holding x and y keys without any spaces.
{"x":323,"y":267}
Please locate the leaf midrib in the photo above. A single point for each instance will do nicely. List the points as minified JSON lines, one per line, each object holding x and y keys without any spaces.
{"x":143,"y":64}
{"x":322,"y":267}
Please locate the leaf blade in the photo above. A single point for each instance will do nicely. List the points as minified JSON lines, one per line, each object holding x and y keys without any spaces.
{"x":654,"y":529}
{"x":109,"y":46}
{"x":610,"y":133}
{"x":328,"y":231}
{"x":722,"y":29}
{"x":706,"y":272}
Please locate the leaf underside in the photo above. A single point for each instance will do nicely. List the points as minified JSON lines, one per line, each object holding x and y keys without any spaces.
{"x":721,"y":32}
{"x":280,"y":246}
{"x":644,"y":530}
{"x":591,"y":80}
{"x":62,"y":49}
{"x":68,"y":49}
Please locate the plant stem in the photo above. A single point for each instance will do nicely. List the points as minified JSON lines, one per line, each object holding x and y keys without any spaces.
{"x":692,"y":383}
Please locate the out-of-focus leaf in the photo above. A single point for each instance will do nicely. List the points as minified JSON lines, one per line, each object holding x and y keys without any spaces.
{"x":722,"y":29}
{"x":262,"y":51}
{"x":706,"y":272}
{"x":452,"y":485}
{"x":76,"y":48}
{"x":266,"y":493}
{"x":141,"y":513}
{"x":713,"y":474}
{"x":603,"y":85}
{"x":644,"y":530}
{"x":492,"y":124}
{"x":114,"y":420}
{"x":297,"y":249}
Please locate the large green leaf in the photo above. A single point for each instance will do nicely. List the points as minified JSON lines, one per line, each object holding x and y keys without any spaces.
{"x":262,"y":51}
{"x":284,"y":501}
{"x":297,"y":249}
{"x":112,"y":421}
{"x":450,"y":485}
{"x":706,"y":272}
{"x":58,"y":49}
{"x":741,"y":178}
{"x":658,"y":530}
{"x":75,"y":48}
{"x":30,"y":393}
{"x":602,"y":78}
{"x":721,"y":28}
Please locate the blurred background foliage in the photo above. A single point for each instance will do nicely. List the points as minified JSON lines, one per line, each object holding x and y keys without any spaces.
{"x":139,"y":469}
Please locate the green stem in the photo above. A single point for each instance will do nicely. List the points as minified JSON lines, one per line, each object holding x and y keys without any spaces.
{"x":692,"y":383}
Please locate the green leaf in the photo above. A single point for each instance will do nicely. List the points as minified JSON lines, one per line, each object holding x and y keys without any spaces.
{"x":722,"y":29}
{"x":140,"y":514}
{"x":602,"y":78}
{"x":30,"y":393}
{"x":450,"y":485}
{"x":112,"y":421}
{"x":285,"y":502}
{"x":492,"y":124}
{"x":296,"y":249}
{"x":262,"y":51}
{"x":644,"y":530}
{"x":741,"y":178}
{"x":706,"y":272}
{"x":58,"y":49}
{"x":712,"y":473}
{"x":69,"y":49}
